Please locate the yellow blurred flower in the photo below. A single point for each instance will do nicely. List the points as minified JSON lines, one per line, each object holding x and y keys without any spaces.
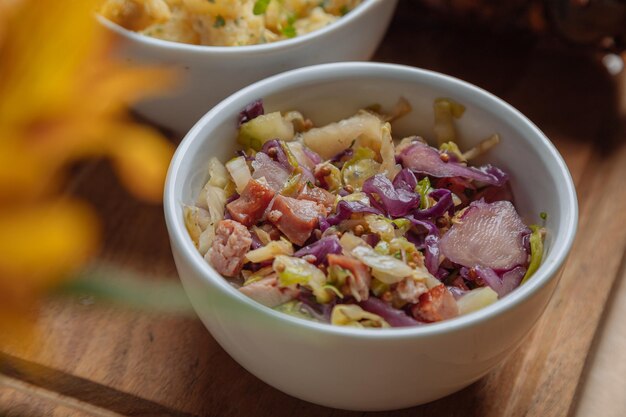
{"x":62,"y":99}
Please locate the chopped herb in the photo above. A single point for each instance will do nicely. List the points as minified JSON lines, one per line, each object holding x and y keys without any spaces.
{"x":543,"y":215}
{"x":260,"y":6}
{"x":211,"y":1}
{"x":310,"y":184}
{"x":344,"y":10}
{"x":289,"y":31}
{"x":219,"y":22}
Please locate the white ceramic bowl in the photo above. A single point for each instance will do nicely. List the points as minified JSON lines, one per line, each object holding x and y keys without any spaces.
{"x":389,"y":368}
{"x":211,"y":73}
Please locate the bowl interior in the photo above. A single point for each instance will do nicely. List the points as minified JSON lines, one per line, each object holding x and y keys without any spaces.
{"x":539,"y":177}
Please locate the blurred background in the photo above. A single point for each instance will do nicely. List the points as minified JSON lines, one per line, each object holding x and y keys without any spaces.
{"x":92,"y":315}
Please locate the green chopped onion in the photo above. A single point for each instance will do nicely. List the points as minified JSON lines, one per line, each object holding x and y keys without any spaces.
{"x":219,"y":22}
{"x":260,"y":6}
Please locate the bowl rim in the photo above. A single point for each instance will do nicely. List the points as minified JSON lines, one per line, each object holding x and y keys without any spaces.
{"x":365,"y":7}
{"x":289,"y":80}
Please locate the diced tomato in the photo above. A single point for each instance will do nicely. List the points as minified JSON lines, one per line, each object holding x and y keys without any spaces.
{"x":435,"y":305}
{"x":318,"y":195}
{"x":297,"y":218}
{"x":251,"y":205}
{"x":358,"y":284}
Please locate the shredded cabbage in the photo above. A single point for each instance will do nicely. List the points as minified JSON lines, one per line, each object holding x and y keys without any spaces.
{"x":218,"y":176}
{"x":354,"y":316}
{"x":196,"y":221}
{"x":476,"y":299}
{"x":389,"y":167}
{"x":254,"y":133}
{"x":240,"y":172}
{"x":385,"y":268}
{"x":270,"y":251}
{"x":446,"y":110}
{"x":536,"y":252}
{"x":360,"y":167}
{"x":292,"y":271}
{"x":333,"y":138}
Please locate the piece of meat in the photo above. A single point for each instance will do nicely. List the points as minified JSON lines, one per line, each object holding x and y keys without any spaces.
{"x":298,"y":217}
{"x":318,"y":195}
{"x":358,"y":284}
{"x":251,"y":205}
{"x":274,"y":173}
{"x":232,"y":242}
{"x":488,"y":235}
{"x":409,"y":290}
{"x":435,"y":305}
{"x":269,"y":293}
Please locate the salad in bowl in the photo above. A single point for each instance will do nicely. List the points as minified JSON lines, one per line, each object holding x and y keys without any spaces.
{"x":345,"y":224}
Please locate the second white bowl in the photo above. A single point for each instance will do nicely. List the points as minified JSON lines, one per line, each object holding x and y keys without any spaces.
{"x":211,"y":73}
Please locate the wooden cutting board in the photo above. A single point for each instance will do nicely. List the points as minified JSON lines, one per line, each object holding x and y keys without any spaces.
{"x":96,"y":359}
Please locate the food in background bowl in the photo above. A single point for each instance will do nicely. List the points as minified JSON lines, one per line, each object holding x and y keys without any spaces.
{"x":211,"y":73}
{"x":338,"y":224}
{"x":225,"y":22}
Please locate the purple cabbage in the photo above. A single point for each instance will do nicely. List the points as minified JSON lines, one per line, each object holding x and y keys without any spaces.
{"x":319,"y":311}
{"x":251,"y":111}
{"x":256,"y":242}
{"x":348,"y":152}
{"x":395,"y":202}
{"x":419,"y":157}
{"x":307,"y":175}
{"x":457,"y":292}
{"x":442,"y":274}
{"x":313,"y":156}
{"x":430,"y":227}
{"x":393,"y":316}
{"x":503,"y":284}
{"x":405,"y":180}
{"x":371,"y":239}
{"x":346,"y":208}
{"x":243,"y":153}
{"x":280,"y":157}
{"x":323,"y":223}
{"x":444,"y":204}
{"x":321,"y":249}
{"x":232,"y":198}
{"x":431,"y":253}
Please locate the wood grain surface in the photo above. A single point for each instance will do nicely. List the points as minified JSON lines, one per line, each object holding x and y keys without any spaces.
{"x":92,"y":358}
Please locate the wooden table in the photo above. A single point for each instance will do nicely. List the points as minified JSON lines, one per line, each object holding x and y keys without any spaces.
{"x":92,"y":358}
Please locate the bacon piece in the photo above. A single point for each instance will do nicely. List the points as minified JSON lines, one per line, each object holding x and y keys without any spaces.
{"x":318,"y":195}
{"x":269,"y":293}
{"x":298,"y":219}
{"x":435,"y":305}
{"x":232,"y":242}
{"x":358,"y":284}
{"x":251,"y":205}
